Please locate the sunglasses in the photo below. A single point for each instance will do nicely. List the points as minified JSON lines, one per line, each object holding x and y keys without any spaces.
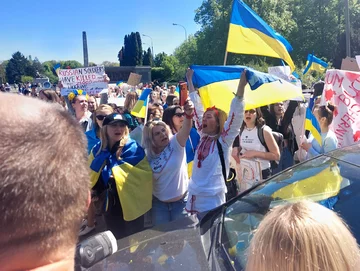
{"x":100,"y":117}
{"x":179,"y":115}
{"x":251,"y":111}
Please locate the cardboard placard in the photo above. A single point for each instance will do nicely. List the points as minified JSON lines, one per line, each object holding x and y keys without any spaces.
{"x":134,"y":79}
{"x":349,"y":64}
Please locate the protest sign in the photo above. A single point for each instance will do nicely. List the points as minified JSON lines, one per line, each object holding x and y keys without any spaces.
{"x":134,"y":79}
{"x":349,"y":64}
{"x":358,"y":61}
{"x":89,"y":79}
{"x":249,"y":173}
{"x":282,"y":72}
{"x":342,"y":88}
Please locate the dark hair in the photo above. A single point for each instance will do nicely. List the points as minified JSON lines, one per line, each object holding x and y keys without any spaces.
{"x":259,"y":120}
{"x":50,"y":95}
{"x":168,"y":115}
{"x":42,"y":197}
{"x":318,"y":88}
{"x":170,"y":98}
{"x":327,"y":111}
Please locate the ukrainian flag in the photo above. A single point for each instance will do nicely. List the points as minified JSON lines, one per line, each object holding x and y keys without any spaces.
{"x":218,"y":84}
{"x":57,"y":68}
{"x":177,"y":91}
{"x":140,"y":107}
{"x":119,"y":83}
{"x":132,"y":174}
{"x":312,"y":124}
{"x":315,"y":64}
{"x":249,"y":34}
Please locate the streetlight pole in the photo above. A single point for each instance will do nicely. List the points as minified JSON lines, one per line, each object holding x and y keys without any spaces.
{"x":152,"y":47}
{"x":347,"y":29}
{"x":184,"y":30}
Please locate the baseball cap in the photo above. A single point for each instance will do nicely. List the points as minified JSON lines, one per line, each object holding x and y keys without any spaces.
{"x":115,"y":117}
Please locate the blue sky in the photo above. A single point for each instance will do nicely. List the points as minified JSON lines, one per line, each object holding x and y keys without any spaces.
{"x":53,"y":29}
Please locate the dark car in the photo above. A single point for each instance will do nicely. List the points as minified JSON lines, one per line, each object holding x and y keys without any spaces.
{"x":218,"y":241}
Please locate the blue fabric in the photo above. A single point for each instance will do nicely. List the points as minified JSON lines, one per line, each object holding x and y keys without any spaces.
{"x":286,"y":161}
{"x":165,"y":212}
{"x":206,"y":75}
{"x":190,"y":149}
{"x":330,"y":202}
{"x":329,"y":143}
{"x":92,"y":139}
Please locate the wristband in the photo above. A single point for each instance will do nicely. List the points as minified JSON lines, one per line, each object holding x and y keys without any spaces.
{"x":189,"y":117}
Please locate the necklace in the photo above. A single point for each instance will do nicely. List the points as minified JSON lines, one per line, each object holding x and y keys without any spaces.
{"x":250,"y":129}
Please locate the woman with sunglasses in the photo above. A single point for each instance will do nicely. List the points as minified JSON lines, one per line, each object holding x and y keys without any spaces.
{"x":167,"y":158}
{"x":207,"y":186}
{"x":248,"y":145}
{"x":93,"y":136}
{"x":174,"y":117}
{"x":121,"y":178}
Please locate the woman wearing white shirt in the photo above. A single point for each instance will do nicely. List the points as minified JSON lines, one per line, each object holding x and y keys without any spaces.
{"x":167,"y":158}
{"x":207,"y":187}
{"x":251,"y":147}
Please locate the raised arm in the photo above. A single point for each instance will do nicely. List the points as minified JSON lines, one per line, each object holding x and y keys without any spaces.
{"x":183,"y":135}
{"x":195,"y":98}
{"x":236,"y":114}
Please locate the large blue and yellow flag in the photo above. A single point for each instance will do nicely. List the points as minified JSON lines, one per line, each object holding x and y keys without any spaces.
{"x":249,"y":34}
{"x":140,"y":107}
{"x":57,"y":68}
{"x":311,"y":123}
{"x":218,"y":84}
{"x":315,"y":64}
{"x":132,"y":174}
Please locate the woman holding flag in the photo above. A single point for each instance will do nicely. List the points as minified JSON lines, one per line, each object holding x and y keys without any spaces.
{"x":207,"y":186}
{"x":121,"y":178}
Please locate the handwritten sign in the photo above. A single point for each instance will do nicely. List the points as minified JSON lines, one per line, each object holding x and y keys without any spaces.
{"x":89,"y":79}
{"x":282,"y":72}
{"x":342,"y":88}
{"x":134,"y":79}
{"x":249,"y":173}
{"x":349,"y":64}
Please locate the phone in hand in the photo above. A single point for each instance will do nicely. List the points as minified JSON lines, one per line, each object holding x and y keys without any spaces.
{"x":183,"y":93}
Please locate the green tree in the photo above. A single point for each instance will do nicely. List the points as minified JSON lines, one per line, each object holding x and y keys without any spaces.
{"x":110,"y":64}
{"x":26,"y":78}
{"x":16,"y":67}
{"x":147,"y":58}
{"x":72,"y":64}
{"x":138,"y":50}
{"x":159,"y":58}
{"x":131,"y":53}
{"x":3,"y":72}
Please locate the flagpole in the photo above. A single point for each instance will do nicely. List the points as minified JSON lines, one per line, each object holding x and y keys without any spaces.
{"x":225,"y":58}
{"x":146,"y":109}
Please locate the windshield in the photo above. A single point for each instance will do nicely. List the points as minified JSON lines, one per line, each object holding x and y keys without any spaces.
{"x":325,"y":180}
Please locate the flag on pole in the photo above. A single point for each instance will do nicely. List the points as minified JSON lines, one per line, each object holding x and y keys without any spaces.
{"x":57,"y":68}
{"x":315,"y":64}
{"x":249,"y":34}
{"x":140,"y":107}
{"x":311,"y":123}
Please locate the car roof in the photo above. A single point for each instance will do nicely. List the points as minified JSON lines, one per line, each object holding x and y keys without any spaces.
{"x":349,"y":154}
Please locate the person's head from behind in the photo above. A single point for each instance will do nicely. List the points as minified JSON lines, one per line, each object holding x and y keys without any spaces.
{"x":170,"y":99}
{"x":92,"y":104}
{"x":130,"y":101}
{"x":156,"y":136}
{"x":154,"y":113}
{"x":213,"y":121}
{"x":252,"y":118}
{"x":303,"y":236}
{"x":49,"y":95}
{"x":174,"y":117}
{"x":325,"y":114}
{"x":43,"y":197}
{"x":100,"y":113}
{"x":79,"y":101}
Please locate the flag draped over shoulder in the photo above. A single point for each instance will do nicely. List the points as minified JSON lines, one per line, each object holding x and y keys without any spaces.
{"x":140,"y":107}
{"x":218,"y":84}
{"x":132,"y":174}
{"x":315,"y":64}
{"x":249,"y":34}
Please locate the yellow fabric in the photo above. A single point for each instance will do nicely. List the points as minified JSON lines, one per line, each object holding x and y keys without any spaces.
{"x":189,"y":168}
{"x":250,"y":41}
{"x":221,"y":94}
{"x":134,"y":186}
{"x":322,"y":186}
{"x":315,"y":67}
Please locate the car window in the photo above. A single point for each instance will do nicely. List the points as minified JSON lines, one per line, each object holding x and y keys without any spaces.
{"x":326,"y":180}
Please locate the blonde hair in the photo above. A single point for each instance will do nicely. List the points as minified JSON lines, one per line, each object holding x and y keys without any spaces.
{"x":130,"y":101}
{"x":147,"y":138}
{"x":220,"y":117}
{"x":104,"y":139}
{"x":303,"y":236}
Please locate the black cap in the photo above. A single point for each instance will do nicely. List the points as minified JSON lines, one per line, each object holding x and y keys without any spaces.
{"x":115,"y":117}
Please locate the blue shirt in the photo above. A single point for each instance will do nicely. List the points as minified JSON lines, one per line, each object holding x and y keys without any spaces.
{"x":329,"y":143}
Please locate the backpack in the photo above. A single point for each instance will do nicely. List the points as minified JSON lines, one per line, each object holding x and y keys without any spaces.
{"x":279,"y":138}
